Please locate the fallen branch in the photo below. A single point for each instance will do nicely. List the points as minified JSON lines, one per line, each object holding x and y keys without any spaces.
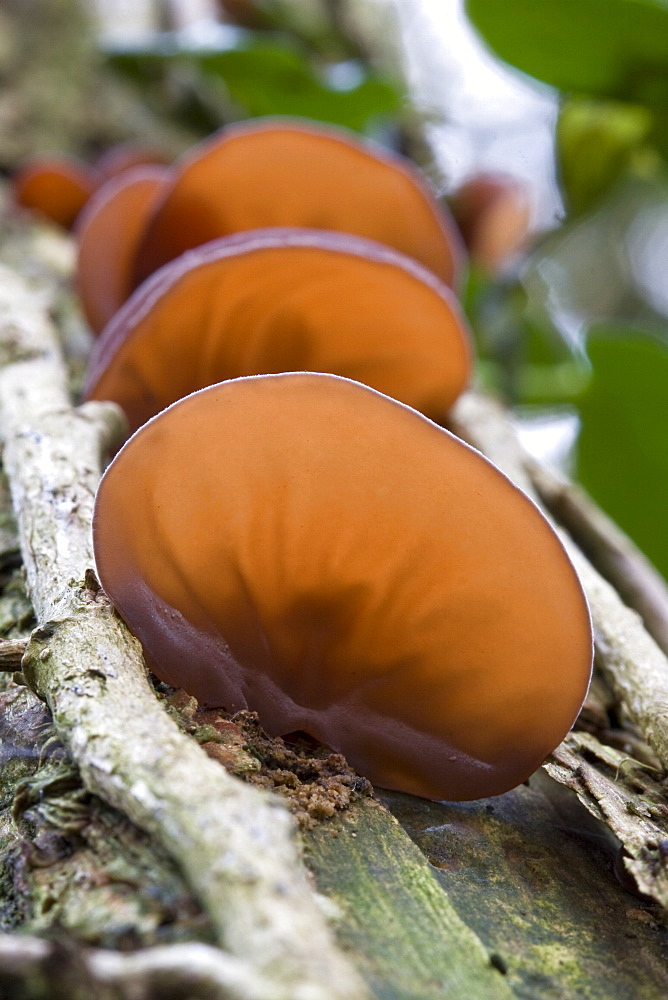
{"x":634,"y":665}
{"x":612,"y":552}
{"x":234,"y":844}
{"x":31,"y":966}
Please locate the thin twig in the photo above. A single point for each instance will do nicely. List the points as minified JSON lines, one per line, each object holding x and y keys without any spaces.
{"x":613,"y":553}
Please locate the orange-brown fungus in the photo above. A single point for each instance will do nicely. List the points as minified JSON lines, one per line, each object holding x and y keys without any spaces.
{"x":284,"y":300}
{"x":494,"y":215}
{"x":108,"y":232}
{"x":296,"y":174}
{"x":55,"y":187}
{"x":304,"y":546}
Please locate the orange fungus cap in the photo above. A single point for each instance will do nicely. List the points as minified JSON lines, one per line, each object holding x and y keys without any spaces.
{"x":306,"y":547}
{"x":108,"y":232}
{"x":294,"y":173}
{"x":284,"y":300}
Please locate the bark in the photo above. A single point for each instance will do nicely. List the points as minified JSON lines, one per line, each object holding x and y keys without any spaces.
{"x":235,"y":845}
{"x":616,"y":557}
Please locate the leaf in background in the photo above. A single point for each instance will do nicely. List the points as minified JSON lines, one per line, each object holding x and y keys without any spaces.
{"x":520,"y":354}
{"x":273,"y":79}
{"x":622,"y":453}
{"x":611,"y":48}
{"x":598,"y":141}
{"x":606,"y":267}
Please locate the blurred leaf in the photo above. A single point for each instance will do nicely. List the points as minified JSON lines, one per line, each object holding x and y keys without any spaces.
{"x":615,"y":48}
{"x":520,"y":353}
{"x":604,"y":267}
{"x":264,"y":78}
{"x":622,"y":454}
{"x":597,"y":141}
{"x":273,"y":79}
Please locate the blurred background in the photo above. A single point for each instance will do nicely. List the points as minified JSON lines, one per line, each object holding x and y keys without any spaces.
{"x":542,"y":123}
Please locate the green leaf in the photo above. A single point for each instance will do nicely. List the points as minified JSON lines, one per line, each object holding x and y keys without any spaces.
{"x":611,"y":48}
{"x":598,"y":142}
{"x":272,"y":79}
{"x":623,"y":447}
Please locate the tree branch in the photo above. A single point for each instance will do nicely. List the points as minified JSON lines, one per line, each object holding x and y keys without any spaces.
{"x":612,"y":552}
{"x":234,"y":844}
{"x":628,"y":656}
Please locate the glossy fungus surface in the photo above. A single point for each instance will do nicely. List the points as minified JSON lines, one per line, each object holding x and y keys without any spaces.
{"x":55,"y":187}
{"x":309,"y":548}
{"x":284,"y":300}
{"x":285,"y":173}
{"x":108,"y":232}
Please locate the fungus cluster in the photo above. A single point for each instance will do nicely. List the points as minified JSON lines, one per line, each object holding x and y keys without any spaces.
{"x":277,"y":300}
{"x":58,"y":187}
{"x":284,"y":531}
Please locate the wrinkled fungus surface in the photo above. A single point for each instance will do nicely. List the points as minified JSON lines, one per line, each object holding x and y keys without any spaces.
{"x":306,"y":547}
{"x":294,"y":173}
{"x":284,"y":300}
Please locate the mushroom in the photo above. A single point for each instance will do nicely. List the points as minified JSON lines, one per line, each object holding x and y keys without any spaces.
{"x":56,"y":187}
{"x":303,"y":546}
{"x":293,"y":173}
{"x":284,"y":300}
{"x":493,"y":213}
{"x":108,"y":231}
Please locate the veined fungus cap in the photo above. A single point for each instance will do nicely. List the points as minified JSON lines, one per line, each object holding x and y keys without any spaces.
{"x":283,"y":172}
{"x":306,"y":547}
{"x":282,"y":300}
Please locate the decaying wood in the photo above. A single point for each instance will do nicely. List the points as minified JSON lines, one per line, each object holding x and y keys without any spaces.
{"x":409,"y":940}
{"x":235,"y":845}
{"x":635,"y":810}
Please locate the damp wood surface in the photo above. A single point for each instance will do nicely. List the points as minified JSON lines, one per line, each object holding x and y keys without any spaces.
{"x":556,"y":890}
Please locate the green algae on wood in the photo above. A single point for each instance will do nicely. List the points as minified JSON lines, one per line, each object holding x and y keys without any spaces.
{"x":533,"y":875}
{"x":396,"y":922}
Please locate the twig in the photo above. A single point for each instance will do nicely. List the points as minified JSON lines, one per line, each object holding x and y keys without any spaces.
{"x":613,"y":553}
{"x":234,"y":844}
{"x":11,"y":654}
{"x":631,"y":660}
{"x":31,"y":964}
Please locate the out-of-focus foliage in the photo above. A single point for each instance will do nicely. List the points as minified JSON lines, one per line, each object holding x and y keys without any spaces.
{"x":604,"y":269}
{"x":599,"y":141}
{"x":262,"y":74}
{"x":626,"y":406}
{"x":614,"y":48}
{"x":274,"y":79}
